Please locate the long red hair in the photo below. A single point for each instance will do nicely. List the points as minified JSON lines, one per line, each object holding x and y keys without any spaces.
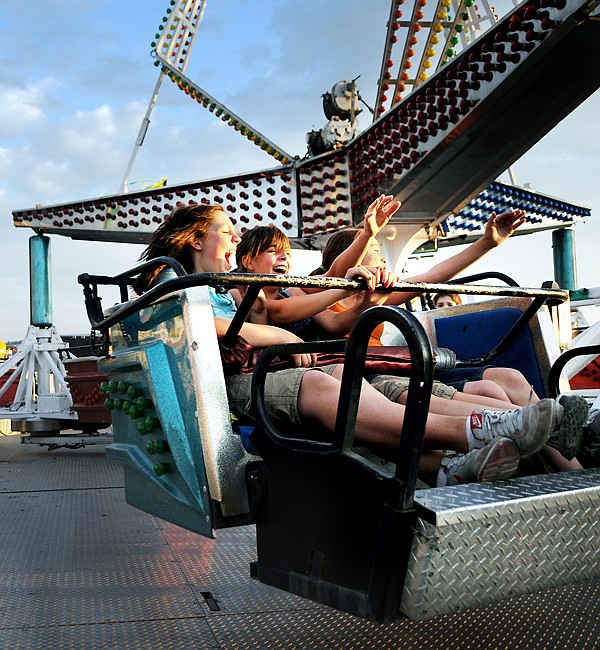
{"x":186,"y":225}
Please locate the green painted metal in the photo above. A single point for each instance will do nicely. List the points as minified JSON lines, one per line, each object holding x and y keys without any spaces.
{"x":563,"y":250}
{"x":40,"y":288}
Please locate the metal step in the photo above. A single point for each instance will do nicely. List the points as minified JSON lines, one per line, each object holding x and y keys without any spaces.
{"x":479,"y":543}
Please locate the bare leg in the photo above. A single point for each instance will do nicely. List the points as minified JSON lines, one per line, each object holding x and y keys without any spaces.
{"x":461,"y":404}
{"x":480,"y":400}
{"x":486,"y":388}
{"x":558,"y":461}
{"x":518,"y":390}
{"x":513,"y":383}
{"x":379,"y":420}
{"x":429,"y":466}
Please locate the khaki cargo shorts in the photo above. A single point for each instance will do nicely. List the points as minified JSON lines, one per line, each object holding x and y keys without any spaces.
{"x":281,"y":394}
{"x":393,"y":386}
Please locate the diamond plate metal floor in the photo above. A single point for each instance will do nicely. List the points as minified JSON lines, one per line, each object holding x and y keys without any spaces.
{"x":81,"y":569}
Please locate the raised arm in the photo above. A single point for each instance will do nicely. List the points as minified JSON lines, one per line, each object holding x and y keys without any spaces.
{"x":378,"y":214}
{"x":498,"y":229}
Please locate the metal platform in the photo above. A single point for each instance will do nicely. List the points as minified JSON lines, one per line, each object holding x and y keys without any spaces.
{"x":82,"y":569}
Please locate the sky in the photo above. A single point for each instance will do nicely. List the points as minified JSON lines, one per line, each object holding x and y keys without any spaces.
{"x":76,"y":78}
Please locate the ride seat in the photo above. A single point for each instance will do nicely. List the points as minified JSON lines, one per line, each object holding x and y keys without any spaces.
{"x":473,"y":330}
{"x":168,"y":354}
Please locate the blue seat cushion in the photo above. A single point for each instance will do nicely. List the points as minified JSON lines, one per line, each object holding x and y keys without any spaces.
{"x":475,"y":334}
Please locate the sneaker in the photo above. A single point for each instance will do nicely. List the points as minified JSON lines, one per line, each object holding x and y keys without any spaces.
{"x":567,"y":433}
{"x":495,"y":461}
{"x":589,"y":454}
{"x":528,"y":427}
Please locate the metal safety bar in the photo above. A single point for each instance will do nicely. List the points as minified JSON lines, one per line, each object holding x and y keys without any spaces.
{"x":417,"y":405}
{"x":263,"y":363}
{"x":487,"y":275}
{"x":90,"y":284}
{"x":418,"y":397}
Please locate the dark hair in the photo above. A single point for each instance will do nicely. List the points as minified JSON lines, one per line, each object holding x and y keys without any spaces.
{"x":185,"y":225}
{"x":456,"y":299}
{"x":257,"y":241}
{"x":336,"y":245}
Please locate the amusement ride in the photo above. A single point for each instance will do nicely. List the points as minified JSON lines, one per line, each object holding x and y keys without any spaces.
{"x":456,"y":78}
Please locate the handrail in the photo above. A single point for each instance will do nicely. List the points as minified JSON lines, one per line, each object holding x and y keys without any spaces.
{"x":93,"y":302}
{"x":412,"y":433}
{"x":240,"y":316}
{"x":259,"y":375}
{"x":101,"y":323}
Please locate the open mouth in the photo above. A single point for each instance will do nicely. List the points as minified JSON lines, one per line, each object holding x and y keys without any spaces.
{"x":281,"y":269}
{"x":228,"y":257}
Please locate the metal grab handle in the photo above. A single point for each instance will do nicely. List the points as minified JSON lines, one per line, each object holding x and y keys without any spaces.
{"x":496,"y":275}
{"x":258,"y":391}
{"x":412,"y":433}
{"x":561,"y":362}
{"x":417,"y":406}
{"x":93,"y":302}
{"x":240,"y":316}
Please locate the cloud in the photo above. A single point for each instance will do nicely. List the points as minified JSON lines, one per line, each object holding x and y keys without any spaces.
{"x":21,"y":108}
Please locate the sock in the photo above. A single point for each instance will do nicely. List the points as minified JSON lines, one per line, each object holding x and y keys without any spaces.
{"x":473,"y":429}
{"x":442,"y":477}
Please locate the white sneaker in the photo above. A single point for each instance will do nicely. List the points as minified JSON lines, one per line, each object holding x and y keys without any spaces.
{"x":493,"y":462}
{"x":528,"y":427}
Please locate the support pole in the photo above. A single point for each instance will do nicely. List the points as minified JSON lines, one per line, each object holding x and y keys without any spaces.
{"x":42,"y":400}
{"x":142,"y":134}
{"x":563,"y":250}
{"x":40,"y":289}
